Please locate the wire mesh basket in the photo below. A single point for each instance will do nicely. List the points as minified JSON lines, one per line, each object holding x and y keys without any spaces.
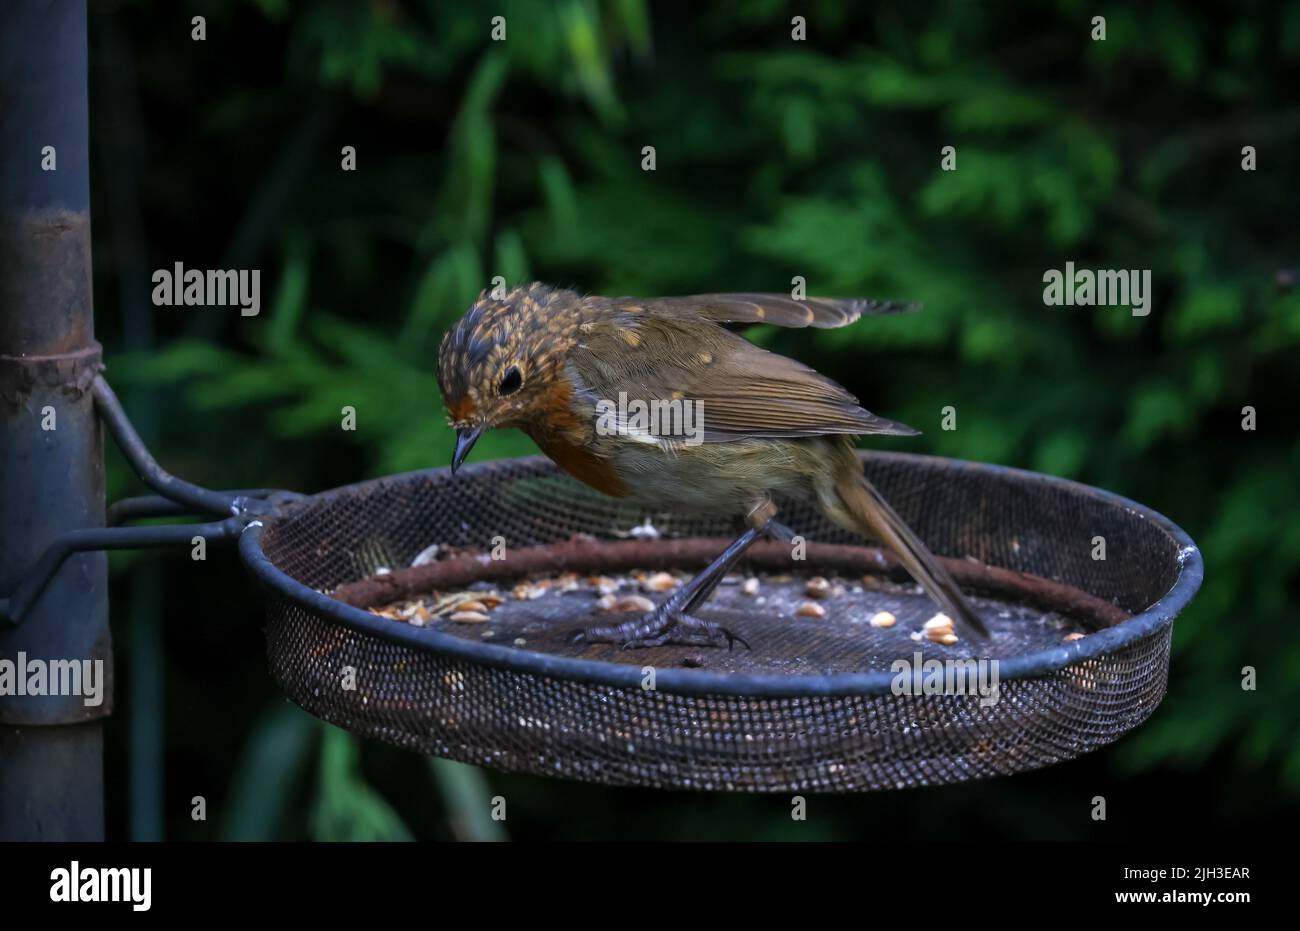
{"x":814,"y":706}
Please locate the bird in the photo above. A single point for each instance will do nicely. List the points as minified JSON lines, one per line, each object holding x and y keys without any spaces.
{"x":577,"y":373}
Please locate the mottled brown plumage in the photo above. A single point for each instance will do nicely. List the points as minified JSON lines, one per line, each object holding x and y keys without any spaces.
{"x":553,"y":363}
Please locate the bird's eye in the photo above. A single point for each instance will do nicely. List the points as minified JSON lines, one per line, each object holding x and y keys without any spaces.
{"x":510,"y":381}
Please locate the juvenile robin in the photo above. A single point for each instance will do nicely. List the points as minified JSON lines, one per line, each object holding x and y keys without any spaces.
{"x":578,"y":373}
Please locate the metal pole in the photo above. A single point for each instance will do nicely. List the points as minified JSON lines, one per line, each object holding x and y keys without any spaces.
{"x":51,"y":445}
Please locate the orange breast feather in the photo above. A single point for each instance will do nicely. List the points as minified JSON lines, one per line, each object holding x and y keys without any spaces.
{"x":561,"y":435}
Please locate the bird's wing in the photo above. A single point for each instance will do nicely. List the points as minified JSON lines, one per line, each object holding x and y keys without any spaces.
{"x":776,"y":309}
{"x":743,"y":391}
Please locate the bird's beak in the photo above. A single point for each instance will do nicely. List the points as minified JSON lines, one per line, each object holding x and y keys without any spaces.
{"x":465,"y":440}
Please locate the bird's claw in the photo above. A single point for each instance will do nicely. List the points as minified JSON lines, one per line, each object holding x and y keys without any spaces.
{"x":734,"y":638}
{"x":678,"y":629}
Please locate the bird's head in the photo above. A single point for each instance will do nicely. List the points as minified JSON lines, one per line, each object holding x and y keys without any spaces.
{"x":496,"y":364}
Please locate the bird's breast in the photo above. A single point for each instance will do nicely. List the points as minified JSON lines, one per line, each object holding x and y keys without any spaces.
{"x":584,"y":465}
{"x":566,"y":436}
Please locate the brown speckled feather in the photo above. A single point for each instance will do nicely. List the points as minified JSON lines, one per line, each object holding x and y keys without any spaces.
{"x":777,"y":309}
{"x":746,"y":391}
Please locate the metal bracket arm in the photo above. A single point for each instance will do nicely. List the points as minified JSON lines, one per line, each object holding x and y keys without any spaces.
{"x":175,"y":497}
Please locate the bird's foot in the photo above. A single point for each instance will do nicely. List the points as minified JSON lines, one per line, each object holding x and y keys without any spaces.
{"x":689,"y":630}
{"x":662,"y":627}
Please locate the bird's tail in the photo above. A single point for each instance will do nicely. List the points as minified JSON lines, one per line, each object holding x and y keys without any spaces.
{"x":873,"y":517}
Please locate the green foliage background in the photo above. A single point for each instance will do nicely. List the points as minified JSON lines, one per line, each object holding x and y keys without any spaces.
{"x":775,"y":158}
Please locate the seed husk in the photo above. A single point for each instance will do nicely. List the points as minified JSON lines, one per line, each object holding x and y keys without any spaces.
{"x":426,"y":555}
{"x":638,"y":604}
{"x":526,"y":591}
{"x":659,"y":582}
{"x":468,"y":617}
{"x":938,"y":622}
{"x":941,"y":634}
{"x":817,"y":587}
{"x":453,"y":602}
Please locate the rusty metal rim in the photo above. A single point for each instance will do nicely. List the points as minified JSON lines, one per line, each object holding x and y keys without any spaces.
{"x":1191,"y":571}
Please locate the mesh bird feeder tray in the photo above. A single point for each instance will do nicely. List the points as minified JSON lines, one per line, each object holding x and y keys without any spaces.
{"x":813,"y":706}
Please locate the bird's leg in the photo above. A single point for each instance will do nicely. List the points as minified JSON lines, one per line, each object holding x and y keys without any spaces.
{"x":672,"y":621}
{"x":761,"y":520}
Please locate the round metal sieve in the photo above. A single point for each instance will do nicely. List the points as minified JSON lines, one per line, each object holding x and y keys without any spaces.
{"x":816,"y":704}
